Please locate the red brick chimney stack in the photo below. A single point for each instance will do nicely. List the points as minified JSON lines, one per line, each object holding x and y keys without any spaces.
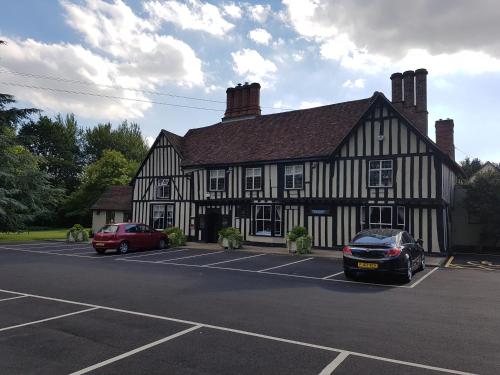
{"x":421,"y":99}
{"x":409,"y":88}
{"x":242,"y":100}
{"x":444,"y":137}
{"x":397,"y":87}
{"x":409,"y":94}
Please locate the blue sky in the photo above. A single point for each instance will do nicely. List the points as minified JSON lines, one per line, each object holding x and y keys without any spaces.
{"x":303,"y":52}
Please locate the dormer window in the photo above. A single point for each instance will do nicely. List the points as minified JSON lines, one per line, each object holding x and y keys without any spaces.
{"x":294,"y":176}
{"x":163,"y":188}
{"x":380,"y":173}
{"x":217,"y":180}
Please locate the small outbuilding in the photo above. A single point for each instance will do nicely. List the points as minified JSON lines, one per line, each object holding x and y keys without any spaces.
{"x":113,"y":206}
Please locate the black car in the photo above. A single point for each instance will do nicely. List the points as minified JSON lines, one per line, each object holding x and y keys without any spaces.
{"x":384,"y":250}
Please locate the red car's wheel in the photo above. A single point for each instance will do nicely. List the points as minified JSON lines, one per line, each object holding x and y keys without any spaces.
{"x":162,"y":244}
{"x":123,"y":247}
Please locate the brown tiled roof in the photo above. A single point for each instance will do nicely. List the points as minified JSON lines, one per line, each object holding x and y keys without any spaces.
{"x":117,"y":198}
{"x":306,"y":133}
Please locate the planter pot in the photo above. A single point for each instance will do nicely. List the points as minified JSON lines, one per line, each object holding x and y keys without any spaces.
{"x":292,"y":246}
{"x":71,"y":238}
{"x":225,"y":243}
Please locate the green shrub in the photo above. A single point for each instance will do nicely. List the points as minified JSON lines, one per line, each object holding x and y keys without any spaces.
{"x":176,"y":236}
{"x":302,"y":239}
{"x":296,"y":232}
{"x":232,"y":235}
{"x":77,"y":233}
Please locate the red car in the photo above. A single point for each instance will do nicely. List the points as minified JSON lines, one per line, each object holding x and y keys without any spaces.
{"x":128,"y":236}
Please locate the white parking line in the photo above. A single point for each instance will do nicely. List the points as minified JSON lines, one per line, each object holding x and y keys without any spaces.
{"x":190,"y":256}
{"x":136,"y":350}
{"x":284,"y":265}
{"x":423,"y":277}
{"x":328,"y":370}
{"x":155,"y":252}
{"x":233,"y":260}
{"x":33,"y":246}
{"x":47,"y":319}
{"x":246,"y":333}
{"x":69,"y":249}
{"x":11,"y":298}
{"x":47,"y":253}
{"x":335,"y":274}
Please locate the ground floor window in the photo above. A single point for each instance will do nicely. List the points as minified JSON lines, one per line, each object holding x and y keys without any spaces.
{"x":162,"y":216}
{"x":267,"y":220}
{"x":110,"y":217}
{"x":381,"y":217}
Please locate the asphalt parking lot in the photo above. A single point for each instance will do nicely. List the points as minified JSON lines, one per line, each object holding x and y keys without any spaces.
{"x":65,"y":309}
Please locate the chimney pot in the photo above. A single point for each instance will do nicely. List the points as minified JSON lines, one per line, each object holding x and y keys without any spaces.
{"x":243,"y":100}
{"x":397,"y":87}
{"x":444,"y":137}
{"x":409,"y":88}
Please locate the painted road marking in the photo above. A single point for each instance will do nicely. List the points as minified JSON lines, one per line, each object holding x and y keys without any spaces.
{"x":335,"y":274}
{"x":155,"y":252}
{"x":33,"y":246}
{"x":284,"y":265}
{"x":70,"y":249}
{"x":328,"y":370}
{"x":166,"y":262}
{"x":11,"y":298}
{"x":246,"y":333}
{"x":448,"y":262}
{"x":190,"y":256}
{"x":47,"y":253}
{"x":136,"y":350}
{"x":233,"y":260}
{"x":424,"y":277}
{"x":47,"y":319}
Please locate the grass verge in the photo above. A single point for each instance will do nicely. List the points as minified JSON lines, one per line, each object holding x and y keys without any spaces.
{"x":35,"y":235}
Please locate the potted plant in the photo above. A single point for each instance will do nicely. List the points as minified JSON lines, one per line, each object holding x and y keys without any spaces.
{"x":299,"y":241}
{"x":176,"y":236}
{"x":230,"y":238}
{"x":77,"y":233}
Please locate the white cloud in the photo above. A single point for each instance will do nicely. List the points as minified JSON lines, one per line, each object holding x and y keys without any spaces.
{"x":193,"y":15}
{"x":310,"y":104}
{"x":298,"y":56}
{"x":465,"y":44}
{"x":259,"y":12}
{"x":354,"y":84}
{"x":123,"y":50}
{"x":260,"y":36}
{"x":233,"y":10}
{"x":248,"y":63}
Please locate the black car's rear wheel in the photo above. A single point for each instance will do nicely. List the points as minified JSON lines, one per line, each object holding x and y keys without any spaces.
{"x":349,"y":274}
{"x":123,"y":247}
{"x":409,"y":273}
{"x":422,"y":262}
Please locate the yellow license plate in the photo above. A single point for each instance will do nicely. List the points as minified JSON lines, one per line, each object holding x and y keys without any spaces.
{"x":99,"y":243}
{"x":369,"y":266}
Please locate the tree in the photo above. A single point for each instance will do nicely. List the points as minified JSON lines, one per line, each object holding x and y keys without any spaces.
{"x":127,"y":139}
{"x":470,"y":167}
{"x":483,"y":199}
{"x":58,"y":143}
{"x":25,"y":191}
{"x":111,"y":169}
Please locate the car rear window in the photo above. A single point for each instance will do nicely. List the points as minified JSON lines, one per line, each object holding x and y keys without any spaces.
{"x":374,"y":239}
{"x":109,"y":229}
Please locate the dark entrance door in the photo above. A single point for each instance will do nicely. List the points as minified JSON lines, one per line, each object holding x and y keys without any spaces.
{"x":213,"y":223}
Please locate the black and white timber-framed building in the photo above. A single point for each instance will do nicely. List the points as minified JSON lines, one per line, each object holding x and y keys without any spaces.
{"x":334,"y":169}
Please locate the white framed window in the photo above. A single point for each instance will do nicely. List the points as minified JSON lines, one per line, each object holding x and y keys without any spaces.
{"x":380,"y":216}
{"x":263,"y":220}
{"x":268,"y":220}
{"x":253,"y":178}
{"x":362,"y":216}
{"x":163,"y":188}
{"x":294,"y":176}
{"x":380,"y":173}
{"x":277,"y":220}
{"x":217,"y":180}
{"x":401,"y":216}
{"x":162,"y":216}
